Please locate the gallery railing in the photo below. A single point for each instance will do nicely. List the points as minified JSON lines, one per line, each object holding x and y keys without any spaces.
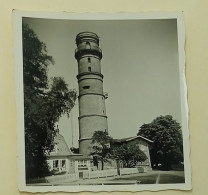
{"x":94,"y":50}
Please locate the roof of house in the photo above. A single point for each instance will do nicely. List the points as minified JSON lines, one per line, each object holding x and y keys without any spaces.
{"x":62,"y":147}
{"x":80,"y":157}
{"x":132,"y":138}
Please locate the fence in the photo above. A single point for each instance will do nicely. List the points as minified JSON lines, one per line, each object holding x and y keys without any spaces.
{"x":87,"y":175}
{"x":128,"y":171}
{"x":99,"y":174}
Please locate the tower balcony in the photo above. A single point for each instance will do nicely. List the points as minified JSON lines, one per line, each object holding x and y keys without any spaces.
{"x":87,"y":37}
{"x":85,"y":49}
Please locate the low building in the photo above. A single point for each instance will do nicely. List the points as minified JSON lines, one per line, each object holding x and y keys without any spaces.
{"x":143,"y":144}
{"x":62,"y":161}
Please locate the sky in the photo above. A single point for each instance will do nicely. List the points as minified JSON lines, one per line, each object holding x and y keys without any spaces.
{"x":140,"y":67}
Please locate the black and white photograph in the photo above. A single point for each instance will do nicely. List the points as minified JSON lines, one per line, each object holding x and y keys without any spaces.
{"x":101,"y":101}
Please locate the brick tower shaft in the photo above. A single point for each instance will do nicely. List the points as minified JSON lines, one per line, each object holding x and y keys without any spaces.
{"x":92,"y":112}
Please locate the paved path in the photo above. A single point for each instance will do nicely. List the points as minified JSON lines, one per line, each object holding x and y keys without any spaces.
{"x":158,"y":179}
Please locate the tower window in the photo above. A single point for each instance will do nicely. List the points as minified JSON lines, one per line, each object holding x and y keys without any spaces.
{"x":103,"y":112}
{"x":89,"y":69}
{"x":89,"y":60}
{"x":88,"y":45}
{"x":86,"y":87}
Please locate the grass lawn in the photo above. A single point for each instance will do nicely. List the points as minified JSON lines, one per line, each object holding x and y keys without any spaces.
{"x":165,"y":179}
{"x":161,"y":178}
{"x":150,"y":179}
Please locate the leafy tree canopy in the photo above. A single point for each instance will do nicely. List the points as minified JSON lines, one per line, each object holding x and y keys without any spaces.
{"x":128,"y":154}
{"x":167,"y":147}
{"x":45,"y":101}
{"x":101,"y":146}
{"x":74,"y":150}
{"x":104,"y":148}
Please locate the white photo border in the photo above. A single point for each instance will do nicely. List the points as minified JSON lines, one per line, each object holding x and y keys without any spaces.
{"x":17,"y":23}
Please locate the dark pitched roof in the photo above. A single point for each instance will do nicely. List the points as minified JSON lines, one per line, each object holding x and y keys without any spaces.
{"x":80,"y":157}
{"x":62,"y":147}
{"x":132,"y":138}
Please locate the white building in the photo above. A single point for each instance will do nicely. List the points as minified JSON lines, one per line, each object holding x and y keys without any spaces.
{"x":62,"y":161}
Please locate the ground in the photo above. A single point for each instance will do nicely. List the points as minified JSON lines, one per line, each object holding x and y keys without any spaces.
{"x":156,"y":177}
{"x":153,"y":177}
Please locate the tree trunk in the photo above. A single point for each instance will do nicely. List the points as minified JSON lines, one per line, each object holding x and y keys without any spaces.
{"x":118,"y":167}
{"x":102,"y":164}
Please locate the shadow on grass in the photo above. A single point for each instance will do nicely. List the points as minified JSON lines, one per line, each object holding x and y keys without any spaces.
{"x":151,"y":179}
{"x":142,"y":179}
{"x":168,"y":179}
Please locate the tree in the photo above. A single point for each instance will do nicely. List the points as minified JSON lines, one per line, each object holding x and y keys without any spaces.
{"x":74,"y":150}
{"x":128,"y":154}
{"x":166,"y":134}
{"x":44,"y":103}
{"x":101,"y":147}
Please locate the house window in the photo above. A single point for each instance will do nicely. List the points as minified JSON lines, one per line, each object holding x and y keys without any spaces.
{"x":55,"y":163}
{"x":63,"y":163}
{"x":89,"y":69}
{"x":89,"y":60}
{"x":82,"y":163}
{"x":86,"y":87}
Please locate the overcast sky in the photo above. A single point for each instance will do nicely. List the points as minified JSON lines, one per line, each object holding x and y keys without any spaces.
{"x":140,"y":67}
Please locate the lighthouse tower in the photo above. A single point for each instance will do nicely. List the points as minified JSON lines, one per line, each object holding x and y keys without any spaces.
{"x":92,"y":112}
